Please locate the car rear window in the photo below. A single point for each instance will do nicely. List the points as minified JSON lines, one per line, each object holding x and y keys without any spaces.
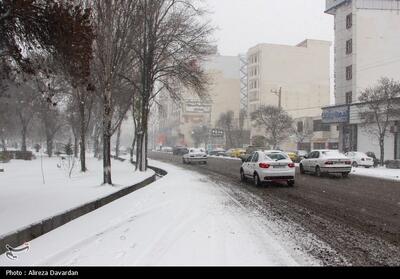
{"x":276,"y":156}
{"x":331,"y":154}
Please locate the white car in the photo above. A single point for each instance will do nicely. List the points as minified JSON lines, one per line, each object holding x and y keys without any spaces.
{"x":195,"y":155}
{"x":360,"y":159}
{"x":326,"y":161}
{"x":268,"y":166}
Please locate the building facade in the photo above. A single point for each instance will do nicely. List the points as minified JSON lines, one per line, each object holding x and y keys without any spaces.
{"x":296,"y":78}
{"x":367,"y":48}
{"x":179,"y":119}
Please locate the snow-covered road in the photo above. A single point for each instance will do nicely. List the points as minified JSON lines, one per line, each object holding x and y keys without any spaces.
{"x":182,"y":219}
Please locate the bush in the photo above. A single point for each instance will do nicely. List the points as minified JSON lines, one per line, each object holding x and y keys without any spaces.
{"x":392,"y":164}
{"x":4,"y":157}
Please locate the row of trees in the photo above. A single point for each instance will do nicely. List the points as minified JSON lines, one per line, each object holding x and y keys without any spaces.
{"x":94,"y":61}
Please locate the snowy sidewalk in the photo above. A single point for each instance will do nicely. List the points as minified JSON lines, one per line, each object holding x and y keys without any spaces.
{"x":182,"y":219}
{"x":382,"y":173}
{"x":24,"y":199}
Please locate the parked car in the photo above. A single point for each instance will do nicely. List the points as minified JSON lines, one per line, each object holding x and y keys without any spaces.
{"x":326,"y":161}
{"x":292,"y":155}
{"x":373,"y":156}
{"x":301,"y":154}
{"x":236,"y":152}
{"x":167,"y":149}
{"x":217,"y":152}
{"x":180,"y":150}
{"x":360,"y":159}
{"x":195,"y":155}
{"x":268,"y":166}
{"x":250,"y":150}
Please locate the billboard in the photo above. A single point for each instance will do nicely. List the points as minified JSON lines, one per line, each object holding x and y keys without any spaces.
{"x":335,"y":115}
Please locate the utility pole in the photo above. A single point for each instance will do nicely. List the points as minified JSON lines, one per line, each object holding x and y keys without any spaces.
{"x":279,"y":94}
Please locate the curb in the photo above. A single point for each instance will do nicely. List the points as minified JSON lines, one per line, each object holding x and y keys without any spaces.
{"x":38,"y":229}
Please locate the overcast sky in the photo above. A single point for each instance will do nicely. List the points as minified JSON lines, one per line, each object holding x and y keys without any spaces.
{"x":245,"y":23}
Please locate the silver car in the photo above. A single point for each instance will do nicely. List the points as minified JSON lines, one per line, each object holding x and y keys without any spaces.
{"x":326,"y":161}
{"x":195,"y":155}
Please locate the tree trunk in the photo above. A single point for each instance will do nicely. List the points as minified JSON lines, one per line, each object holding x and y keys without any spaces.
{"x":107,"y":159}
{"x":107,"y":118}
{"x":3,"y":143}
{"x":76,"y":148}
{"x":49,"y":143}
{"x":382,"y":148}
{"x":118,"y":143}
{"x":23,"y":134}
{"x":82,"y":136}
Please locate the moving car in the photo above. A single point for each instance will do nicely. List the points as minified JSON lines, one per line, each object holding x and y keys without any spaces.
{"x":326,"y":161}
{"x":360,"y":159}
{"x":195,"y":155}
{"x":268,"y":166}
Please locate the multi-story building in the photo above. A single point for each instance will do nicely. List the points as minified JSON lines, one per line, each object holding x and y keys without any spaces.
{"x":296,"y":78}
{"x":179,"y":119}
{"x":367,"y":48}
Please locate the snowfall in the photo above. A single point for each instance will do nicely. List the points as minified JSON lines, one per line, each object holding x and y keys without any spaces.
{"x":183,"y":219}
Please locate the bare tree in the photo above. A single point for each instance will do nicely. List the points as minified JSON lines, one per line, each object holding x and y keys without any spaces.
{"x":113,"y":52}
{"x":172,"y":40}
{"x":380,"y":106}
{"x":303,"y":132}
{"x":276,"y":122}
{"x":72,"y":37}
{"x":201,"y":135}
{"x":226,"y":122}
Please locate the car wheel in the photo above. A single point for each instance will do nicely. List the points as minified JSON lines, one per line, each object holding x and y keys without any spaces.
{"x":345,"y":174}
{"x":291,"y":183}
{"x":302,"y":171}
{"x":355,"y":165}
{"x":318,"y":171}
{"x":242,"y":176}
{"x":257,"y":181}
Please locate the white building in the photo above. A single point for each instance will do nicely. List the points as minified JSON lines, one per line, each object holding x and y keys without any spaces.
{"x":367,"y":47}
{"x":178,"y":120}
{"x":302,"y":75}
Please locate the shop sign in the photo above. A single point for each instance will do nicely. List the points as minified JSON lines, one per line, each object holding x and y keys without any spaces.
{"x":333,"y":115}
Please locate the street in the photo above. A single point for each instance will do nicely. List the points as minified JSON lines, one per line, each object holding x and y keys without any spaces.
{"x":357,"y":217}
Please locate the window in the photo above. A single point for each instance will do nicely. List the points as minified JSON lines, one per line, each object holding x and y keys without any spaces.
{"x":349,"y":46}
{"x":318,"y":145}
{"x":349,"y":98}
{"x":349,"y":21}
{"x":349,"y":72}
{"x":255,"y":158}
{"x":300,"y":126}
{"x":320,"y":127}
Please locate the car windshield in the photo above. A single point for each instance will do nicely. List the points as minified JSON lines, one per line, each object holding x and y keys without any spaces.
{"x":276,"y":156}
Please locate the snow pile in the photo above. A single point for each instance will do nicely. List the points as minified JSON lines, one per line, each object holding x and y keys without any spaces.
{"x":24,"y":199}
{"x":225,"y":158}
{"x":182,"y":219}
{"x":383,"y":173}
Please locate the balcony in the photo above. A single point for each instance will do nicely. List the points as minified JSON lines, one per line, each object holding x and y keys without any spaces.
{"x":332,"y":4}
